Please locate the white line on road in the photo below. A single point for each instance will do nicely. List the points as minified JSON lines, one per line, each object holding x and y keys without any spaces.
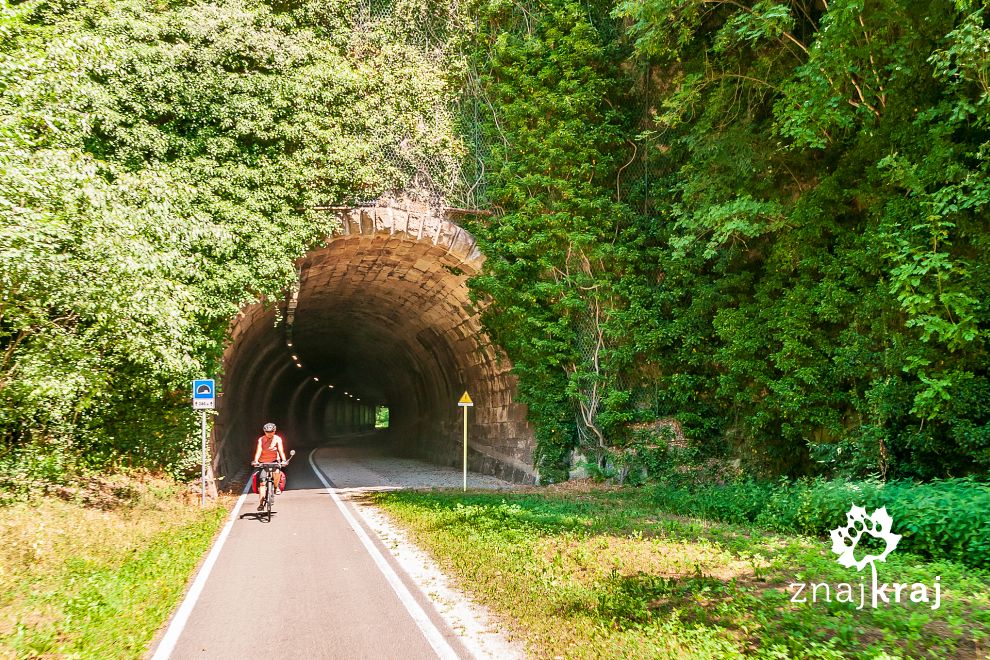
{"x":426,"y":626}
{"x":178,"y":623}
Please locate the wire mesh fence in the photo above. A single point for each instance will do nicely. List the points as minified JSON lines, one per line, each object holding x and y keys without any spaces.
{"x":452,"y":173}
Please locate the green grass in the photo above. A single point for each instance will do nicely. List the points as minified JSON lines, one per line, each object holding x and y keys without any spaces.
{"x":605,"y":574}
{"x":88,"y":583}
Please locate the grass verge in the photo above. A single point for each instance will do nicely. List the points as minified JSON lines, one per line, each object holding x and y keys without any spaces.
{"x":97,"y":582}
{"x":605,"y":574}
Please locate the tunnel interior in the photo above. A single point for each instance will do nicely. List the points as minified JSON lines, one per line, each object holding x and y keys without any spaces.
{"x":381,"y":317}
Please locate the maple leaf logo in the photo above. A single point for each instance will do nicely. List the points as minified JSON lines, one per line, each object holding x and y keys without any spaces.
{"x":844,"y":539}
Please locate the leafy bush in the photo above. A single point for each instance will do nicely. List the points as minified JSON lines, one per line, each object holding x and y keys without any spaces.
{"x":627,"y":466}
{"x":947,"y":519}
{"x":706,"y":213}
{"x":157,"y":161}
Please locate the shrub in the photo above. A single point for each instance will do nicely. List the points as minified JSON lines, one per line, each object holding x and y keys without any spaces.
{"x":946,"y":519}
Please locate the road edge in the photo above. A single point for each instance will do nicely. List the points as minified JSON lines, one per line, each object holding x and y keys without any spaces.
{"x":426,"y":626}
{"x":177,"y":622}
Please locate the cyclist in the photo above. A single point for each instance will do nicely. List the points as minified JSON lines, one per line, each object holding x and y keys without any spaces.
{"x":269,"y":450}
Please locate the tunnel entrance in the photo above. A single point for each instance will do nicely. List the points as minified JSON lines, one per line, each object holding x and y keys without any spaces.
{"x":381,"y":319}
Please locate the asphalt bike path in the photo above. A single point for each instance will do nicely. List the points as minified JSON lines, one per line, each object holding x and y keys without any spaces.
{"x":312,"y":583}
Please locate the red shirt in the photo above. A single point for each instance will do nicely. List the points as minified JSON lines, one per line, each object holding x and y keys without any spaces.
{"x":270,"y":449}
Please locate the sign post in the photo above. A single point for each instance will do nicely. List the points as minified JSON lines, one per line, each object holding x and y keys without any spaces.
{"x":202,"y":476}
{"x":465,"y":403}
{"x":204,"y":398}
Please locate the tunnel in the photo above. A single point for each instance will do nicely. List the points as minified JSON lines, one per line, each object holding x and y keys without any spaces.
{"x":380,"y":318}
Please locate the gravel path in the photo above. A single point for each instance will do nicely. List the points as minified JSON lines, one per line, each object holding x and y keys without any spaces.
{"x":354,"y":467}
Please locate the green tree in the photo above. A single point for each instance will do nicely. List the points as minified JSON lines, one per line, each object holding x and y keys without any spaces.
{"x":156,"y":164}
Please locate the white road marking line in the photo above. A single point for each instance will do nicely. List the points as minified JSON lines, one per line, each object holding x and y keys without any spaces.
{"x":426,"y":626}
{"x":178,"y":623}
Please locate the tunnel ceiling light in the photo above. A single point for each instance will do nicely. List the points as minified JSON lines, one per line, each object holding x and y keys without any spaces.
{"x":288,"y":343}
{"x":316,"y":379}
{"x":298,"y":365}
{"x":330,"y":386}
{"x":295,"y":357}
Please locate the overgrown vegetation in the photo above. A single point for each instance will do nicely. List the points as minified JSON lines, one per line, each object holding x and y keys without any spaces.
{"x":96,"y":573}
{"x":381,"y":417}
{"x":766,"y":220}
{"x":157,"y":161}
{"x":748,"y":234}
{"x":603,"y":574}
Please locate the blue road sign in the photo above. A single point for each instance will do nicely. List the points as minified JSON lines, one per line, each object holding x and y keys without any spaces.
{"x":204,"y":394}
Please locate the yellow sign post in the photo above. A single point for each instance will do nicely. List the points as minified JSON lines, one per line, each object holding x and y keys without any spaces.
{"x":465,"y":403}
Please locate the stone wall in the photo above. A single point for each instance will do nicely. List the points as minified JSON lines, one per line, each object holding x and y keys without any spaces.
{"x":382,"y":313}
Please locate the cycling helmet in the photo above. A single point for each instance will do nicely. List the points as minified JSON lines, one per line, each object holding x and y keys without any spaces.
{"x":268,"y":427}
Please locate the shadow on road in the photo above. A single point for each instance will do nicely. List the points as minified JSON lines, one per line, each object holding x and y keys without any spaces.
{"x":257,"y":515}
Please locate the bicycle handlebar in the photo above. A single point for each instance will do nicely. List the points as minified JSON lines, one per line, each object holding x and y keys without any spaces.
{"x":276,"y":464}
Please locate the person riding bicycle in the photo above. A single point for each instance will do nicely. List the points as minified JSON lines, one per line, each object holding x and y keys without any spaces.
{"x":270,"y":450}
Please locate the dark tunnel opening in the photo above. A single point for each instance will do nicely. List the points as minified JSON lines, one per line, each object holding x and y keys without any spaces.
{"x":381,"y":318}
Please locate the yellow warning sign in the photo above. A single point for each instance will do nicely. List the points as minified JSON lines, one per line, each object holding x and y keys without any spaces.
{"x":465,"y":400}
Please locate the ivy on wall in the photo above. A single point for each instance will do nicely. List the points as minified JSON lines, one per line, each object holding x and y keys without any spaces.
{"x":556,"y":143}
{"x":801,"y":280}
{"x":764,"y":219}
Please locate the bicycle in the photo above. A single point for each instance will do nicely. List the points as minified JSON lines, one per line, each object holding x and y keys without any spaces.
{"x":266,"y":474}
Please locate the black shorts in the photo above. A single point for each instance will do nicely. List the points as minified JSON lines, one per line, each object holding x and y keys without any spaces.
{"x":258,"y":478}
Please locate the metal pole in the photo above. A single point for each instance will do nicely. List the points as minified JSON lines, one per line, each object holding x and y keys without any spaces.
{"x":203,"y":498}
{"x":465,"y":448}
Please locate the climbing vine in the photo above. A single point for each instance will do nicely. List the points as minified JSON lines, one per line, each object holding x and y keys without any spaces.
{"x":762,"y":223}
{"x":800,"y":276}
{"x":557,"y":141}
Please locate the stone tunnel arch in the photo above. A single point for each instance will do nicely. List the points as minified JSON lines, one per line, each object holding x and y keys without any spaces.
{"x":381,"y":317}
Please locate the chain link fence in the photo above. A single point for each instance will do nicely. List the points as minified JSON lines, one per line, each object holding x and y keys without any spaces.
{"x":451,"y":173}
{"x":429,"y":163}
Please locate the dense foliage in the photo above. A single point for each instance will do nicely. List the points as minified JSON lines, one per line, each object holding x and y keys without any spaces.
{"x":156,"y":164}
{"x":945,"y":519}
{"x":556,"y":142}
{"x":766,"y":221}
{"x":798,"y":273}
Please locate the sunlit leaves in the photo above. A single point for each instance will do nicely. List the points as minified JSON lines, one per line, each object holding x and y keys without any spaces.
{"x":156,"y":167}
{"x":968,"y":55}
{"x":556,"y":141}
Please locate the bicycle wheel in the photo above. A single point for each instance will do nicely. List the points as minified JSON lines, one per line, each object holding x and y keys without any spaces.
{"x":269,"y":496}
